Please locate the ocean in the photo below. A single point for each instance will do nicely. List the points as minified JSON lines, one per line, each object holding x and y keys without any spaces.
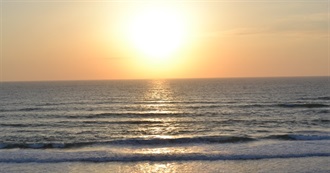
{"x":172,"y":125}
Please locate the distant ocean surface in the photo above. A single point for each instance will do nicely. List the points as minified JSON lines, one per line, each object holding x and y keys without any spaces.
{"x":164,"y":120}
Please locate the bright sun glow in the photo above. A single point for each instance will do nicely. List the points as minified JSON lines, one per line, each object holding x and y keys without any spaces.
{"x":157,"y":32}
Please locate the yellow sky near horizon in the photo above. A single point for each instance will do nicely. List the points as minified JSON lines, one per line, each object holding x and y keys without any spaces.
{"x":83,"y":40}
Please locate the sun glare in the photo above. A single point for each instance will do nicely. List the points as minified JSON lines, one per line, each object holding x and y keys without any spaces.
{"x":157,"y":32}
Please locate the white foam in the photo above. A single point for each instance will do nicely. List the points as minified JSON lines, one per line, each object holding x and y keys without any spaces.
{"x":240,"y":151}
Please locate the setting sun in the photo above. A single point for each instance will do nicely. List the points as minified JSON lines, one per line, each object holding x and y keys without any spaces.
{"x":73,"y":40}
{"x":157,"y":32}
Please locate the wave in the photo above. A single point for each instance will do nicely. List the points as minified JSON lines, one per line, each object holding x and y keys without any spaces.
{"x":204,"y":139}
{"x":122,"y":122}
{"x":42,"y":145}
{"x":99,"y":156}
{"x":188,"y":106}
{"x":127,"y":114}
{"x":324,"y":98}
{"x":185,"y":114}
{"x":71,"y":124}
{"x":164,"y":141}
{"x":28,"y":109}
{"x":302,"y":105}
{"x":325,"y":121}
{"x":177,"y":102}
{"x":282,"y":105}
{"x":155,"y":141}
{"x":266,"y":105}
{"x":22,"y":125}
{"x":299,"y":137}
{"x":323,"y":111}
{"x":133,"y":142}
{"x":317,"y":98}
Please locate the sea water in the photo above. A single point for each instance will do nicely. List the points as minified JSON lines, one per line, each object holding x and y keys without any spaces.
{"x":163,"y":121}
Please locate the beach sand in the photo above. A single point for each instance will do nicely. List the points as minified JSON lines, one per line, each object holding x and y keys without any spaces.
{"x":301,"y":165}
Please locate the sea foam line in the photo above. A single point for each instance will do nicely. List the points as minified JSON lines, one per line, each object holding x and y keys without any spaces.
{"x":104,"y":157}
{"x":166,"y":141}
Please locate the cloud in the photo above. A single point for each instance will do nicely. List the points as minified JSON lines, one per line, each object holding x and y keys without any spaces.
{"x":312,"y":25}
{"x":300,"y":24}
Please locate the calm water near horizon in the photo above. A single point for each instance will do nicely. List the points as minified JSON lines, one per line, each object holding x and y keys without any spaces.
{"x":164,"y":120}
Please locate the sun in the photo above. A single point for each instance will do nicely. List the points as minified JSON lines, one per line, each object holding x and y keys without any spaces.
{"x":157,"y":32}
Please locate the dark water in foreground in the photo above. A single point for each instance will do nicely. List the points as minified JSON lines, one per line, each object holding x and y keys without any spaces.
{"x":164,"y":120}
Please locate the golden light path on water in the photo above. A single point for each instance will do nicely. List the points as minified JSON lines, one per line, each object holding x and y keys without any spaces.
{"x":168,"y":167}
{"x":160,"y":94}
{"x":158,"y":167}
{"x":159,"y":100}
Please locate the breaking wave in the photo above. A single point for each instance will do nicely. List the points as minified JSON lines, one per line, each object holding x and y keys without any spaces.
{"x":133,"y":142}
{"x":164,"y":141}
{"x":101,"y":156}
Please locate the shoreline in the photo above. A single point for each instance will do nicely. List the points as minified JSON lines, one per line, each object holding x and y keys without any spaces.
{"x":306,"y":164}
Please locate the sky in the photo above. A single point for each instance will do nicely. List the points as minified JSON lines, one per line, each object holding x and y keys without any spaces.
{"x":97,"y":40}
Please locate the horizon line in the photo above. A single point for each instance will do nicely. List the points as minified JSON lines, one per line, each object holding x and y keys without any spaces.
{"x":178,"y":78}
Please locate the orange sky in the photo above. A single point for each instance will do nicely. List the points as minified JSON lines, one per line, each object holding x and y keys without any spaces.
{"x":56,"y":40}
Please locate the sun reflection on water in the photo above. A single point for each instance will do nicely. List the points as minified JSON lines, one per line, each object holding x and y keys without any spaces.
{"x":159,"y":90}
{"x":159,"y":101}
{"x":159,"y":98}
{"x":157,"y":167}
{"x":164,"y":167}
